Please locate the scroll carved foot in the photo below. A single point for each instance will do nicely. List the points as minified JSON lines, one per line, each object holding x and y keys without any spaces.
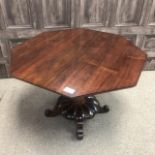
{"x":78,"y":109}
{"x":79,"y":129}
{"x":51,"y":113}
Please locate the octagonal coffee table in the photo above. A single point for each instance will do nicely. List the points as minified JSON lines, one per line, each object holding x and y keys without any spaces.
{"x":78,"y":63}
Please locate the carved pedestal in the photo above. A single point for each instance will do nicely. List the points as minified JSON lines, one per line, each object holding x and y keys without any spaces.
{"x":77,"y":109}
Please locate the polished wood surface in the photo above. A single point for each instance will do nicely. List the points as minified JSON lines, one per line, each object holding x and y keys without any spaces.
{"x":78,"y":62}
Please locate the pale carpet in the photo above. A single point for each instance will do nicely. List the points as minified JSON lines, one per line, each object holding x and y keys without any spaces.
{"x":128,"y":129}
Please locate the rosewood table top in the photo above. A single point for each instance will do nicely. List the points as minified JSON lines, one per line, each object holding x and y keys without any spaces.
{"x":78,"y":62}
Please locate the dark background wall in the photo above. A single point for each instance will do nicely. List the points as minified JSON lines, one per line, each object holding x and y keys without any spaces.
{"x":23,"y":19}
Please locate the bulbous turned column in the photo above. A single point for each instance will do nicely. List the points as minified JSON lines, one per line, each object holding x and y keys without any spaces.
{"x":77,"y":109}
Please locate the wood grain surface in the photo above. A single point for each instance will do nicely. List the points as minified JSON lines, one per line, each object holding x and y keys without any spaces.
{"x":24,"y":19}
{"x":78,"y":62}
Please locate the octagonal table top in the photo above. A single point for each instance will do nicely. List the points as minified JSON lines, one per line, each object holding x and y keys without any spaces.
{"x":77,"y":62}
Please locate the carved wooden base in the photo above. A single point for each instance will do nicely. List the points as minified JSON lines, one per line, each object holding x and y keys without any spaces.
{"x":78,"y":109}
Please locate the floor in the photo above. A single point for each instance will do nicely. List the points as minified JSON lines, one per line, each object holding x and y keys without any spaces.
{"x":128,"y":129}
